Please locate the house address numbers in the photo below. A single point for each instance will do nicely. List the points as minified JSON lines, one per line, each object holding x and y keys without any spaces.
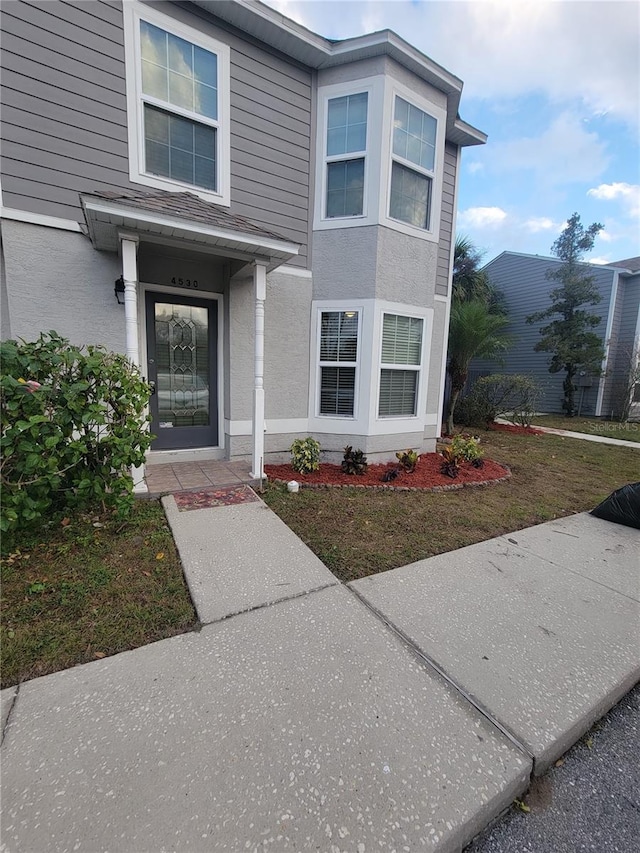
{"x":184,"y":282}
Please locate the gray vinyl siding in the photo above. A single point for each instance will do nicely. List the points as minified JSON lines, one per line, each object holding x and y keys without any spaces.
{"x":623,"y":343}
{"x":65,"y":117}
{"x":447,"y":216}
{"x":521,"y":278}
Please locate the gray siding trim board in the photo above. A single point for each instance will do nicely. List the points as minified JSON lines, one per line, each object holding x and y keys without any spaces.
{"x":52,"y":151}
{"x":34,"y":109}
{"x":243,"y":138}
{"x":443,"y":264}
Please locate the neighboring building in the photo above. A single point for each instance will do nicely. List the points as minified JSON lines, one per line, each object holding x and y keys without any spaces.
{"x":522,"y":279}
{"x":276,"y":209}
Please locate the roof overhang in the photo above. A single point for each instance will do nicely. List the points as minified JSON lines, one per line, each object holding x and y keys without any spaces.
{"x":105,"y":219}
{"x":281,"y":33}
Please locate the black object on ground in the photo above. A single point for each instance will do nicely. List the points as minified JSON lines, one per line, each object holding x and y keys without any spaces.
{"x":622,"y":506}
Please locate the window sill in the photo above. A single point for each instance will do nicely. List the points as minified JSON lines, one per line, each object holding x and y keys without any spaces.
{"x":221,"y":198}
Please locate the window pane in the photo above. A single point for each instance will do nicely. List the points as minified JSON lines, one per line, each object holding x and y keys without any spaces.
{"x":154,"y":80}
{"x":206,"y":100}
{"x":397,"y":392}
{"x":180,"y":55}
{"x":339,"y":336}
{"x":205,"y":67}
{"x":410,"y":196}
{"x":181,"y":91}
{"x":182,"y":166}
{"x":345,"y":188}
{"x":181,"y":133}
{"x":347,"y":124}
{"x":401,"y":339}
{"x":157,"y":158}
{"x":337,"y":391}
{"x":205,"y":173}
{"x":153,"y":44}
{"x":156,"y":125}
{"x":414,"y":134}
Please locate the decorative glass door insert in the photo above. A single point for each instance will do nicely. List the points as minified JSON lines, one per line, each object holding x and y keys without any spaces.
{"x":181,"y":337}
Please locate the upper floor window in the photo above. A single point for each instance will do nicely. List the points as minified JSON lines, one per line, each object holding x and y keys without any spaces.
{"x":338,"y":362}
{"x":346,"y":145}
{"x":413,"y":164}
{"x":178,"y":92}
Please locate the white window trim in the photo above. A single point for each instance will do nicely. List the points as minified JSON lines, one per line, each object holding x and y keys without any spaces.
{"x":373,"y":86}
{"x":133,"y":13}
{"x":394,"y":89}
{"x":384,"y":423}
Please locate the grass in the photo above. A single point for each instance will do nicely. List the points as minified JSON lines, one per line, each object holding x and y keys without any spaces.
{"x":358,"y":532}
{"x":592,"y":426}
{"x":90,"y":588}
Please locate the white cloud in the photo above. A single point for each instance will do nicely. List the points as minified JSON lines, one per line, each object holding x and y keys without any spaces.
{"x":540,"y":223}
{"x":507,"y":48}
{"x":601,"y":260}
{"x":475,"y":166}
{"x":482,"y":217}
{"x":564,"y":153}
{"x":628,"y":194}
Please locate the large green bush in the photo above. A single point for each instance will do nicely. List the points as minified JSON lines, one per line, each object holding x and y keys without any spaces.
{"x":511,"y":395}
{"x":73,"y":423}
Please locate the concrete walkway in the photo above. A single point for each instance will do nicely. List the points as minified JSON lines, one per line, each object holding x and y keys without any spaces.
{"x":401,"y":712}
{"x":600,"y":439}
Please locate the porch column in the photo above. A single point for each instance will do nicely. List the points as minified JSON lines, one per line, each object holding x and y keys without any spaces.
{"x":260,"y":283}
{"x":129,"y":246}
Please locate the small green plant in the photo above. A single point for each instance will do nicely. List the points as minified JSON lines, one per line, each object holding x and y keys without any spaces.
{"x":467,"y":447}
{"x":408,"y":460}
{"x":305,"y":455}
{"x":354,"y":461}
{"x":451,"y":461}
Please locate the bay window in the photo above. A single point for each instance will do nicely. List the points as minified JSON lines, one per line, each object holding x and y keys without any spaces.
{"x":346,"y":144}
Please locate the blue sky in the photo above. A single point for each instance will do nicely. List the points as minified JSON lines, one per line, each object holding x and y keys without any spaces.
{"x":556,"y":86}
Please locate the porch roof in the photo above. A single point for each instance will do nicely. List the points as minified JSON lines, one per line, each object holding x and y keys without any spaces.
{"x":170,"y":217}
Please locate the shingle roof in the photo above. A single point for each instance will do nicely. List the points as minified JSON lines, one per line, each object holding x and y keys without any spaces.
{"x":186,"y":206}
{"x":632,"y":264}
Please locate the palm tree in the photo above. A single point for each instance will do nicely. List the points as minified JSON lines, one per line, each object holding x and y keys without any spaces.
{"x":471,"y":282}
{"x":474,"y":331}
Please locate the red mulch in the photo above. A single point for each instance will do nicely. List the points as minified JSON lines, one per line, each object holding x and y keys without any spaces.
{"x":426,"y":476}
{"x":517,"y":430}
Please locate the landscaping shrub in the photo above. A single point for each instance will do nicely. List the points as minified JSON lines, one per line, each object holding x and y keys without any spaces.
{"x":73,"y":423}
{"x":305,"y":455}
{"x":467,"y":448}
{"x":499,"y":395}
{"x":354,"y":461}
{"x":408,"y":460}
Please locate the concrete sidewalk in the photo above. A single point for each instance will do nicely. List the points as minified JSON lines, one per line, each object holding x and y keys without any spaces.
{"x":400,"y":713}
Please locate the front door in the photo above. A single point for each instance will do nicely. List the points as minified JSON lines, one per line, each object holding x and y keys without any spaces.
{"x":182,"y":364}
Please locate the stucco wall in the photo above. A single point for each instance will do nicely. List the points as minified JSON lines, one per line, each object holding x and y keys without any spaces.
{"x":405,"y":268}
{"x":56,"y":280}
{"x":345,"y":263}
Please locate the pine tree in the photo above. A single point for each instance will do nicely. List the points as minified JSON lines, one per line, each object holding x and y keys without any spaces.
{"x":569,"y":336}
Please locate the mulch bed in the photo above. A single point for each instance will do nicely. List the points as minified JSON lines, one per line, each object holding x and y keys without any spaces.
{"x":516,"y":430}
{"x":426,"y":476}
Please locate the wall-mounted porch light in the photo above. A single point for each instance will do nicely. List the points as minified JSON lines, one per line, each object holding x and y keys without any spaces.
{"x":118,"y":289}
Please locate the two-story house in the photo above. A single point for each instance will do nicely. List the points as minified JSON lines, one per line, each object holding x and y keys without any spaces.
{"x":260,"y":218}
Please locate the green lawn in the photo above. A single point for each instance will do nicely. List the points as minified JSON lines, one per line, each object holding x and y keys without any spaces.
{"x":593,"y":426}
{"x":359,"y":532}
{"x":88,"y":588}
